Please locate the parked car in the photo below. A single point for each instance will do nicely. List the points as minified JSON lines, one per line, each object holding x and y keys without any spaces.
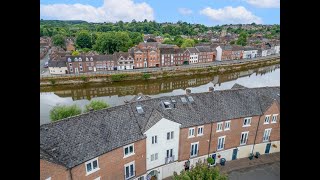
{"x":46,"y":65}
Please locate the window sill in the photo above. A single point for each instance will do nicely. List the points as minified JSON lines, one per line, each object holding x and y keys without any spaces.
{"x":273,"y":122}
{"x":226,"y":129}
{"x":243,"y":144}
{"x":129,"y":155}
{"x":95,"y":170}
{"x":246,"y":126}
{"x":220,"y":149}
{"x":199,"y":135}
{"x":266,"y":123}
{"x":219,"y":131}
{"x":191,"y":136}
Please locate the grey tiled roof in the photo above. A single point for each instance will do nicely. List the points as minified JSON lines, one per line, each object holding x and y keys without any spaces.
{"x":204,"y":48}
{"x":192,"y":50}
{"x":237,"y":86}
{"x":57,"y":63}
{"x":75,"y":140}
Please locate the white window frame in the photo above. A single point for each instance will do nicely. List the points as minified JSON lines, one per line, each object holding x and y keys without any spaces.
{"x":192,"y":130}
{"x":124,"y":150}
{"x":264,"y":135}
{"x":155,"y":157}
{"x":219,"y":127}
{"x":49,"y":178}
{"x":92,"y":170}
{"x":90,"y":68}
{"x":154,"y":139}
{"x":200,"y":127}
{"x":171,"y":135}
{"x":225,"y":125}
{"x":267,"y":117}
{"x":224,"y":142}
{"x":134,"y":168}
{"x":244,"y":119}
{"x":98,"y":178}
{"x":274,"y":115}
{"x":196,"y":153}
{"x":246,"y":139}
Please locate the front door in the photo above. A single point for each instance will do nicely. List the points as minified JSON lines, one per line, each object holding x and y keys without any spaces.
{"x":268,"y":148}
{"x":234,"y":154}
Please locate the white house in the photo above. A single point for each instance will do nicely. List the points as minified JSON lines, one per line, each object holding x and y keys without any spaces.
{"x":58,"y":67}
{"x":277,"y":49}
{"x":219,"y":53}
{"x":162,"y":147}
{"x":249,"y":53}
{"x":125,"y":61}
{"x":194,"y":55}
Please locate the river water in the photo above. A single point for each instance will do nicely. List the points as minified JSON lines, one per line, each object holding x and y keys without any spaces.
{"x":116,"y":93}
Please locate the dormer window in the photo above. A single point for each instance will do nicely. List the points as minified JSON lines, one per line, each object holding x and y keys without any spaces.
{"x":75,"y":59}
{"x":91,"y":59}
{"x":139,"y":109}
{"x":80,"y":59}
{"x":69,"y":59}
{"x":166,"y":105}
{"x":87,"y":59}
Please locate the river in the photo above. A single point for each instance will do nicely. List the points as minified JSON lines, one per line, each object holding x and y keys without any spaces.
{"x":116,"y":93}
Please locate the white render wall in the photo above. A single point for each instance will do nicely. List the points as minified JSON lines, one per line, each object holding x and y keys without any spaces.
{"x":264,"y":53}
{"x":160,"y":129}
{"x":219,"y":53}
{"x":56,"y":70}
{"x":262,"y":147}
{"x":277,"y":49}
{"x":244,"y":151}
{"x":193,"y":59}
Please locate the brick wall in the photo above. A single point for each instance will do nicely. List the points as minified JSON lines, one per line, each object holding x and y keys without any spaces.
{"x":112,"y":164}
{"x":55,"y":171}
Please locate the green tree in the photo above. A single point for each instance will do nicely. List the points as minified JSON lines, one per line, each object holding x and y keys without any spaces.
{"x":75,"y":53}
{"x":201,"y":171}
{"x":232,"y":42}
{"x":63,"y":111}
{"x":96,"y":105}
{"x":83,"y":39}
{"x":58,"y":40}
{"x":242,"y":39}
{"x":188,"y":43}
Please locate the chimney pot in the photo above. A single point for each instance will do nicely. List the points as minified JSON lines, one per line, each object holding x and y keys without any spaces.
{"x":188,"y":91}
{"x":211,"y":89}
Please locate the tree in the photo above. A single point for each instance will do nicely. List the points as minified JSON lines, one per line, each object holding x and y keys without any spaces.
{"x":63,"y":111}
{"x":75,"y":53}
{"x":96,"y":105}
{"x":242,"y":39}
{"x":188,"y":43}
{"x":111,"y":42}
{"x":83,"y":39}
{"x":58,"y":40}
{"x":201,"y":171}
{"x":232,"y":42}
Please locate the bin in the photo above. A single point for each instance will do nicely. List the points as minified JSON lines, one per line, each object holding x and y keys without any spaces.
{"x":222,"y":161}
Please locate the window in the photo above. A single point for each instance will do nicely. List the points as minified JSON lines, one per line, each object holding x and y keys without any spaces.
{"x":81,"y":69}
{"x":221,"y":142}
{"x":169,"y":135}
{"x":129,"y":170}
{"x":244,"y":138}
{"x":92,"y":166}
{"x":267,"y":119}
{"x":71,"y":70}
{"x":90,"y":68}
{"x":166,"y":104}
{"x":227,"y":125}
{"x":266,"y":135}
{"x":191,"y":132}
{"x":154,"y":157}
{"x":154,"y":140}
{"x":274,"y":118}
{"x":70,"y":64}
{"x":200,"y":131}
{"x":128,"y":150}
{"x":194,"y":149}
{"x":98,"y":178}
{"x":246,"y":122}
{"x":141,"y":178}
{"x":169,"y":153}
{"x":219,"y":126}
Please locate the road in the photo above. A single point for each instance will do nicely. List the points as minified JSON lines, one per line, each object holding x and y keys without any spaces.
{"x":261,"y":172}
{"x":44,"y":71}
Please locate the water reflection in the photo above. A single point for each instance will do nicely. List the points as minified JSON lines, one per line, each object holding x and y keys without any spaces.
{"x":117,"y":93}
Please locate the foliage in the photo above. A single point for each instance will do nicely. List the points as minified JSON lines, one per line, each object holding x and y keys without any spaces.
{"x":63,"y":111}
{"x":118,"y":77}
{"x":58,"y":40}
{"x":52,"y":81}
{"x":111,"y":42}
{"x":188,"y":43}
{"x":85,"y":50}
{"x":75,"y":53}
{"x":83,"y":39}
{"x":210,"y":160}
{"x":84,"y":78}
{"x":232,"y":42}
{"x":146,"y":76}
{"x":200,"y":172}
{"x":96,"y":105}
{"x":242,"y":39}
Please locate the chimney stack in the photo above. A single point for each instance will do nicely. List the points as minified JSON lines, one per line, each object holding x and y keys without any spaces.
{"x":188,"y":91}
{"x":211,"y":89}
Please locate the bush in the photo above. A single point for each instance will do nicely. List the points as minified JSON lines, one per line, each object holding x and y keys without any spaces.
{"x":146,"y":76}
{"x":118,"y":77}
{"x":53,"y":82}
{"x":96,"y":105}
{"x":63,"y":111}
{"x":84,"y":78}
{"x":201,"y":171}
{"x":210,"y":160}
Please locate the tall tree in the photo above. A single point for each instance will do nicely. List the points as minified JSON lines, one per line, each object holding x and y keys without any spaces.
{"x":58,"y":40}
{"x":84,"y":39}
{"x":188,"y":43}
{"x":242,"y":39}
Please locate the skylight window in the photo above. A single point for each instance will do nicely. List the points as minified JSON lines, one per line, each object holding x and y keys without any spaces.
{"x":183,"y":99}
{"x":190,"y":98}
{"x":139,"y":109}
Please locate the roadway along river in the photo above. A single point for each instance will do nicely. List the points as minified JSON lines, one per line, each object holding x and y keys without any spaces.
{"x":116,"y":93}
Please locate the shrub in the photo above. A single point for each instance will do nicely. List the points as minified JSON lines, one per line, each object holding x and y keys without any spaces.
{"x":84,"y":78}
{"x":118,"y":77}
{"x":52,"y":81}
{"x":146,"y":76}
{"x":96,"y":105}
{"x":63,"y":111}
{"x":210,"y":160}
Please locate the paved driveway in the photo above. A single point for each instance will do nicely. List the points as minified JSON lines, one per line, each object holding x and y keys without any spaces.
{"x":43,"y":61}
{"x":261,"y":172}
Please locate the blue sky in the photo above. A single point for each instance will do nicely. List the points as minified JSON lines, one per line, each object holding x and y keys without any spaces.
{"x":208,"y":12}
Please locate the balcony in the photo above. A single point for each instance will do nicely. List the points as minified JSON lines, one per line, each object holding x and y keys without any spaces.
{"x":169,"y":159}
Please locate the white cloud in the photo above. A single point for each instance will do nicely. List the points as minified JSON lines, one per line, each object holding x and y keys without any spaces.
{"x":230,"y":15}
{"x":264,"y":3}
{"x":110,"y":11}
{"x":185,"y":11}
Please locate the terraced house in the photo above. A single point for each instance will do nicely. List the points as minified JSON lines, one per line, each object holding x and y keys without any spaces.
{"x":155,"y":137}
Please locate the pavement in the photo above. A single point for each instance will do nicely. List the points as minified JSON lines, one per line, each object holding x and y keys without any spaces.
{"x":44,"y":71}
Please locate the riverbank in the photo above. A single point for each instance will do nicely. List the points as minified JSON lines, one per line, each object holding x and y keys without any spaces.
{"x":136,"y":76}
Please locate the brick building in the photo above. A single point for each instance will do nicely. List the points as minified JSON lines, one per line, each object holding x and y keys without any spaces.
{"x":155,"y":137}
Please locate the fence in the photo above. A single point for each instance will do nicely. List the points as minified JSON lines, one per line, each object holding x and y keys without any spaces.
{"x":148,"y":70}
